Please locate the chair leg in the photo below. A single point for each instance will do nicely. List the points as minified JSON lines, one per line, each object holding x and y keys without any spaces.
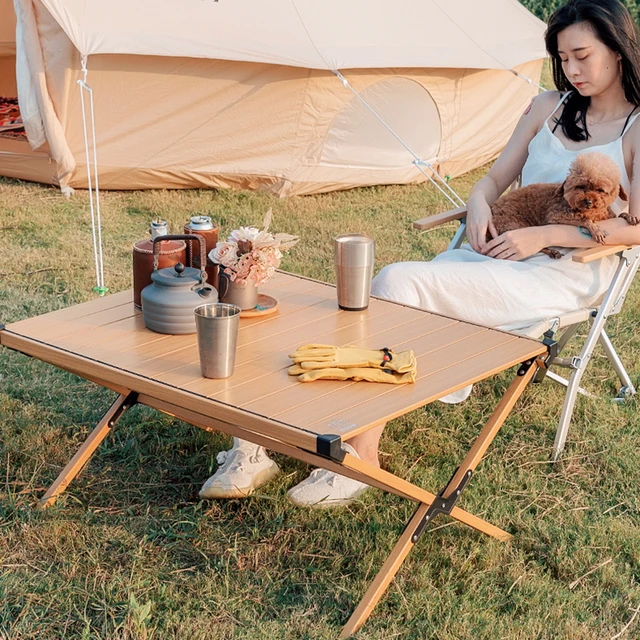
{"x":568,"y":333}
{"x":627,"y":386}
{"x":617,"y":289}
{"x":565,"y":383}
{"x":573,"y":387}
{"x":567,"y":411}
{"x":458,"y":238}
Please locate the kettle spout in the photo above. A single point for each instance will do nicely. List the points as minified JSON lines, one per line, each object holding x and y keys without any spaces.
{"x":207,"y":291}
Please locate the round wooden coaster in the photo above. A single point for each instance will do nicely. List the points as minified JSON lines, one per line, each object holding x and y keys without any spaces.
{"x":266,"y":305}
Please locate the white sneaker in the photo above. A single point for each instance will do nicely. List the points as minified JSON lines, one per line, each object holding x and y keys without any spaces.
{"x":243,"y":469}
{"x":326,"y":488}
{"x":457,"y":396}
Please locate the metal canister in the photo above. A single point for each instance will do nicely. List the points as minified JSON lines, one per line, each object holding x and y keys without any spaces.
{"x":202,"y":226}
{"x":158,"y":228}
{"x":172,"y":252}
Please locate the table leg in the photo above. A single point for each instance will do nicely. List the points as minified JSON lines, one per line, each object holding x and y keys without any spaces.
{"x":385,"y":575}
{"x":490,"y":430}
{"x":87,"y":449}
{"x":444,"y":503}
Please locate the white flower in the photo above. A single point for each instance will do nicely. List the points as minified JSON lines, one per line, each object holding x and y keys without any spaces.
{"x":264,"y":239}
{"x":244,"y":233}
{"x":225,"y":253}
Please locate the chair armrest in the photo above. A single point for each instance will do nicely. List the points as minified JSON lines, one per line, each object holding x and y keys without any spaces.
{"x":595,"y":253}
{"x":439,"y":218}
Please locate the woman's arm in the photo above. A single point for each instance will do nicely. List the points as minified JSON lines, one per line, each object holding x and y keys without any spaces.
{"x":505,"y":170}
{"x":522,"y":243}
{"x":618,"y":231}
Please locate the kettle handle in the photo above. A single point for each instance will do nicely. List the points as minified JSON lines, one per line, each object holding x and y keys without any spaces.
{"x":188,"y":237}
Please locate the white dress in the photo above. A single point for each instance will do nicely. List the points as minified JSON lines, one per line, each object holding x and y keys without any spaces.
{"x":512,"y":295}
{"x":521,"y":296}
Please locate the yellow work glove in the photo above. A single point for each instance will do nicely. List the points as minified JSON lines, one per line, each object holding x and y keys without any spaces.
{"x":352,"y":373}
{"x":326,"y":356}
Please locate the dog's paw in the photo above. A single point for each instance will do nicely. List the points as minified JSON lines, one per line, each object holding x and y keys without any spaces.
{"x":632,"y":220}
{"x":599,"y":235}
{"x":552,"y":253}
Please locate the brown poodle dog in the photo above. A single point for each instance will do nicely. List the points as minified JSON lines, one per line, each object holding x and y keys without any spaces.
{"x":583,"y":199}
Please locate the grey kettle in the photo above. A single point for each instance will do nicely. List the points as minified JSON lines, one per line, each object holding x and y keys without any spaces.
{"x":169,"y":301}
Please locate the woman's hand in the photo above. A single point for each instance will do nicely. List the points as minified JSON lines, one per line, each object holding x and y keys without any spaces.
{"x":516,"y":244}
{"x":479,"y":224}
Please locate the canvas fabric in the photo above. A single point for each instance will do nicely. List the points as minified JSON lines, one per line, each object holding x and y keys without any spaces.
{"x":332,"y":34}
{"x":165,"y":119}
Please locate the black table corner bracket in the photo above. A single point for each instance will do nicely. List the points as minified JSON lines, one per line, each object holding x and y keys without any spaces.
{"x":330,"y":446}
{"x":552,"y":353}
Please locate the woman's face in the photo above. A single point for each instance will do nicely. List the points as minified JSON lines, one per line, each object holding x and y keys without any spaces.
{"x":589,"y":65}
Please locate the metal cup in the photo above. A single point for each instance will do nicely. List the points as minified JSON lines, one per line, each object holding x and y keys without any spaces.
{"x":217,"y":329}
{"x":354,"y":256}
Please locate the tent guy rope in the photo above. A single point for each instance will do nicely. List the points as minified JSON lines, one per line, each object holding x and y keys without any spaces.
{"x":418,"y":162}
{"x":452,"y":196}
{"x":94,"y":190}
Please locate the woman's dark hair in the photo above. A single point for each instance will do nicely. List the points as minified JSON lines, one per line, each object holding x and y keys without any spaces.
{"x":614,"y":26}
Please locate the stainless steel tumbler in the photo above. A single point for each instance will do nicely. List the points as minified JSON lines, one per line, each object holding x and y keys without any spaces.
{"x":217,"y":329}
{"x":354,"y":256}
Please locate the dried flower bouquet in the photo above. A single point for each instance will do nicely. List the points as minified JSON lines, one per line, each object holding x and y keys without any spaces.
{"x":250,"y":254}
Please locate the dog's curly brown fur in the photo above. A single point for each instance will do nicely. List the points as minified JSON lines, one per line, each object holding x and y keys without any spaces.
{"x":583,"y":199}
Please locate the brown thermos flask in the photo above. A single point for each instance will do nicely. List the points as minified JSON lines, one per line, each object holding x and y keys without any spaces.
{"x":202,"y":226}
{"x":171,"y":252}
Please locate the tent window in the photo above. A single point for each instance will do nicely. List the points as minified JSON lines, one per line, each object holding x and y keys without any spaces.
{"x":358,"y":138}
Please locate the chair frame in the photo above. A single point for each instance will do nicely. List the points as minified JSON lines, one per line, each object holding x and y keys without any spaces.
{"x":569,"y":323}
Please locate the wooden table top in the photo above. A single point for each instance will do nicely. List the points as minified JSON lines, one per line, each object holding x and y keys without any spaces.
{"x":107,"y":336}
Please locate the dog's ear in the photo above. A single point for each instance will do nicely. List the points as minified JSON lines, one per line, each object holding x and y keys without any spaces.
{"x":560,"y":190}
{"x":623,"y":194}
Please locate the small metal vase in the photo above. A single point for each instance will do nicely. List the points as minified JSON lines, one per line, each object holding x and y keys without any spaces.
{"x":242,"y":294}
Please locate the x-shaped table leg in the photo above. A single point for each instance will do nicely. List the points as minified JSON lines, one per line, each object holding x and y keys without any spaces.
{"x":443,"y":503}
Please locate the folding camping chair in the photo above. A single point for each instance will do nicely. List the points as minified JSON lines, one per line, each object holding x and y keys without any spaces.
{"x":629,"y":260}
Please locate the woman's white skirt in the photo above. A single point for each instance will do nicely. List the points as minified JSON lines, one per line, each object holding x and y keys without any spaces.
{"x":503,"y":294}
{"x":524,"y":296}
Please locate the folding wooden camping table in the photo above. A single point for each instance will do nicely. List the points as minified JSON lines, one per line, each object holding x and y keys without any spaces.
{"x":105,"y":341}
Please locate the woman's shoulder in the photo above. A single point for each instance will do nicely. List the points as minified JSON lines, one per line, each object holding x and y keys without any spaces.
{"x":540,"y":108}
{"x":632,"y":130}
{"x":545,"y":103}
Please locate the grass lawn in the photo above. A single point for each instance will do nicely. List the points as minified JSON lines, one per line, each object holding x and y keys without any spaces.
{"x":129,"y":551}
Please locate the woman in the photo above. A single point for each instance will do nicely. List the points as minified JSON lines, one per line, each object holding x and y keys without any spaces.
{"x":595,"y":53}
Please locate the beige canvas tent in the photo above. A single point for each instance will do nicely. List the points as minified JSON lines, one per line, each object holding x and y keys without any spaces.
{"x":221,"y":93}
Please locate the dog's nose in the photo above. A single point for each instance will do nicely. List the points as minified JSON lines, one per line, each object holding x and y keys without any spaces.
{"x":588,"y":203}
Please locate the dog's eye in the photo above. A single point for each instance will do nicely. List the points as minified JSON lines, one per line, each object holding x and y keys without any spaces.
{"x":600,"y":190}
